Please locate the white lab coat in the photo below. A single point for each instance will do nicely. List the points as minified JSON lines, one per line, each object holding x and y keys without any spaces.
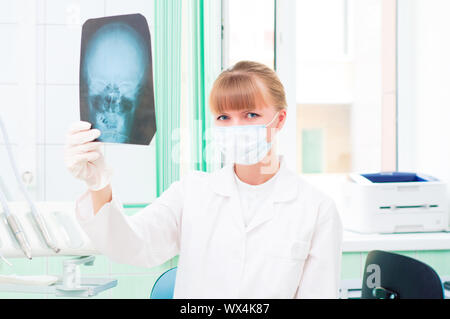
{"x":290,"y":249}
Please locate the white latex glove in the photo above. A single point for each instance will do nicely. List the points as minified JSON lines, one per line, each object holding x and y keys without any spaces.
{"x":84,"y":158}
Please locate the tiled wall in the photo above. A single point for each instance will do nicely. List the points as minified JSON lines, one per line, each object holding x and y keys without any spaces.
{"x":58,"y":36}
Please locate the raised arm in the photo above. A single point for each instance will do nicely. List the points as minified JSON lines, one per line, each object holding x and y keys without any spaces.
{"x":148,"y":238}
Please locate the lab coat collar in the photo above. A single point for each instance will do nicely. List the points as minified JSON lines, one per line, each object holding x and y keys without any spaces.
{"x":286,"y":186}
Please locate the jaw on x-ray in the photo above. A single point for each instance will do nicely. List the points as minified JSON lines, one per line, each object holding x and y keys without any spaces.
{"x":116,"y":79}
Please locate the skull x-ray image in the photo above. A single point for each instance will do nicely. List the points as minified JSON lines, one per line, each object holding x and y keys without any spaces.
{"x":116,"y":79}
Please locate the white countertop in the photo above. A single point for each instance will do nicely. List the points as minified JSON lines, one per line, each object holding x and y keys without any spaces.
{"x":355,"y":242}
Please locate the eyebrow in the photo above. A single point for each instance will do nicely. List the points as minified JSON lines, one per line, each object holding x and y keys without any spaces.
{"x":253,"y":110}
{"x":247,"y":110}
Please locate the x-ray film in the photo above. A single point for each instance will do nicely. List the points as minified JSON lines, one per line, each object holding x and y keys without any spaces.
{"x":116,"y":79}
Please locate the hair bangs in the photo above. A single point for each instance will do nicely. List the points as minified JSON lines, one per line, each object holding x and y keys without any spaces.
{"x":236,"y":91}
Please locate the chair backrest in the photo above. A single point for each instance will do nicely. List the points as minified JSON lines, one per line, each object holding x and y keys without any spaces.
{"x":164,"y":285}
{"x":389,"y":276}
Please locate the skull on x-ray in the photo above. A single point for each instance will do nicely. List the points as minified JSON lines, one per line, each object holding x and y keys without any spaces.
{"x":114,"y":71}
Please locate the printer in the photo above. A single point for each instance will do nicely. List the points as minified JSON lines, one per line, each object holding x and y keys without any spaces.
{"x":394,"y":202}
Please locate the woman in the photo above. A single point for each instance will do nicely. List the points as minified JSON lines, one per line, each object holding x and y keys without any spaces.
{"x":253,"y":229}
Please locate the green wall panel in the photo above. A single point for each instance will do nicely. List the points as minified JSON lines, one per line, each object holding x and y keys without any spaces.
{"x":439,"y":260}
{"x":312,"y":151}
{"x":23,"y":266}
{"x":350,"y":267}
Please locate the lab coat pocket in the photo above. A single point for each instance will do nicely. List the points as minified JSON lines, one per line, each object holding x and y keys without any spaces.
{"x":294,"y":250}
{"x":285,"y":260}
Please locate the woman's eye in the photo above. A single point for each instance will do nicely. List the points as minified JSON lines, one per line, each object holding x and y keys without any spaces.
{"x":222,"y":117}
{"x":252,"y":115}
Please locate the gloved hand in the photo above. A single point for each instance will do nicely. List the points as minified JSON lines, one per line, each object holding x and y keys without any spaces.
{"x":84,"y":158}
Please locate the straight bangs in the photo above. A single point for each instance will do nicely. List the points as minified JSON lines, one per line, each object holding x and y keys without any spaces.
{"x":235,"y":91}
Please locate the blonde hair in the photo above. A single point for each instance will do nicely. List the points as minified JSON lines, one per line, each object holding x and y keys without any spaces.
{"x":245,"y":86}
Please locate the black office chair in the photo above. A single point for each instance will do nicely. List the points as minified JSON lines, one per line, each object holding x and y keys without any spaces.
{"x":392,"y":276}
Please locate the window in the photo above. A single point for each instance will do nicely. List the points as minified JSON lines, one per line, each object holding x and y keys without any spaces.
{"x":329,"y":56}
{"x":249,"y":30}
{"x":423,"y":87}
{"x":338,"y":89}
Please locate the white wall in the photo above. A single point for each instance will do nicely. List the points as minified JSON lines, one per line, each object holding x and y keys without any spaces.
{"x":424,"y":86}
{"x":58,"y":34}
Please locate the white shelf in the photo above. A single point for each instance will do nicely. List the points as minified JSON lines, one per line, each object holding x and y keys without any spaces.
{"x":355,"y":242}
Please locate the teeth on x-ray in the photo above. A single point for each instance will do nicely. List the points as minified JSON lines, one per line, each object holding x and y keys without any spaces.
{"x":115,"y":72}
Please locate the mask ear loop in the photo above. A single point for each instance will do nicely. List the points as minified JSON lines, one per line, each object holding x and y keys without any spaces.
{"x":273,"y":119}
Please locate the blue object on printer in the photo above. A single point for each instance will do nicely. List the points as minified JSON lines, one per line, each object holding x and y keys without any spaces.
{"x":397,"y":177}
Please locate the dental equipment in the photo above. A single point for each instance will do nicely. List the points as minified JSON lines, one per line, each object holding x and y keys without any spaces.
{"x":10,"y":217}
{"x":70,"y":238}
{"x":15,"y":226}
{"x":39,"y":280}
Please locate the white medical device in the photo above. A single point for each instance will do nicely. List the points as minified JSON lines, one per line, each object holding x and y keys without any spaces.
{"x":11,"y":219}
{"x":394,"y":202}
{"x":68,"y":236}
